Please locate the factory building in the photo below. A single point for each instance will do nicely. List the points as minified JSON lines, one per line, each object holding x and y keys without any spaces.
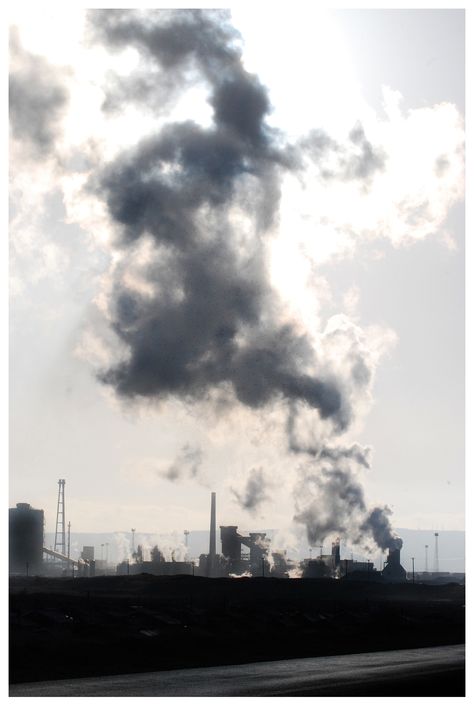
{"x":255,"y":561}
{"x":393,"y":572}
{"x":353,"y":570}
{"x":324,"y":565}
{"x":26,"y":533}
{"x":242,"y":555}
{"x":87,"y":553}
{"x":282,"y":566}
{"x":315,"y":569}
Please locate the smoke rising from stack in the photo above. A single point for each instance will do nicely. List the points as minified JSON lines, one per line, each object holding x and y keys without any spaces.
{"x":168,"y":545}
{"x":254,"y":494}
{"x":186,"y":465}
{"x":330,"y":500}
{"x":204,"y":318}
{"x":379,"y":525}
{"x":296,"y":444}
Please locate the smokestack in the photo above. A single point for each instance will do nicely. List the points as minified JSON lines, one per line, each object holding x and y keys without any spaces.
{"x":394,"y":557}
{"x":336,"y":553}
{"x":212,"y":532}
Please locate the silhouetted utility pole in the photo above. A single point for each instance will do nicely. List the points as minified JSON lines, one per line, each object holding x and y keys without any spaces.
{"x":436,"y":557}
{"x":68,"y":543}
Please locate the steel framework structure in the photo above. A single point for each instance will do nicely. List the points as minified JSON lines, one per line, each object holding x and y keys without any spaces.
{"x":60,"y":535}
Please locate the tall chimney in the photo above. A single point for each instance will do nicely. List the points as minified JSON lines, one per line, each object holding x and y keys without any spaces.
{"x":436,"y":557}
{"x":212,"y":534}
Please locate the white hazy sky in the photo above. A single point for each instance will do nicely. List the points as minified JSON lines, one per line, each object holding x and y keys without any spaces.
{"x":384,"y":260}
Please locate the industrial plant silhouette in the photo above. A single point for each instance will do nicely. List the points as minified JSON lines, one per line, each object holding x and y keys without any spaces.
{"x":241,"y":555}
{"x":72,"y":616}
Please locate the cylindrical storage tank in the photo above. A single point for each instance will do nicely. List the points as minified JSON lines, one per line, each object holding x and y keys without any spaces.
{"x":26,"y":534}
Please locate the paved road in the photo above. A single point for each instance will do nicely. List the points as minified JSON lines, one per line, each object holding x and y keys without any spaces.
{"x":362,"y":673}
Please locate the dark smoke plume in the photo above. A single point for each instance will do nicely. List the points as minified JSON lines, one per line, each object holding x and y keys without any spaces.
{"x":255,"y":491}
{"x":37,"y":98}
{"x":186,"y":464}
{"x":330,"y":500}
{"x":333,"y":502}
{"x":321,"y":451}
{"x":366,"y":161}
{"x":204,"y":200}
{"x":211,"y":322}
{"x":378,"y":524}
{"x":355,"y":160}
{"x":176,"y":39}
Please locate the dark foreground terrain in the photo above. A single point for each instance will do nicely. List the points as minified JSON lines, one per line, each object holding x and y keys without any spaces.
{"x":420,"y":672}
{"x":71,"y":628}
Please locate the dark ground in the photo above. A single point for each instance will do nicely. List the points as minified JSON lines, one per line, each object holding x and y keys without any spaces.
{"x":434,"y":671}
{"x":68,"y":628}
